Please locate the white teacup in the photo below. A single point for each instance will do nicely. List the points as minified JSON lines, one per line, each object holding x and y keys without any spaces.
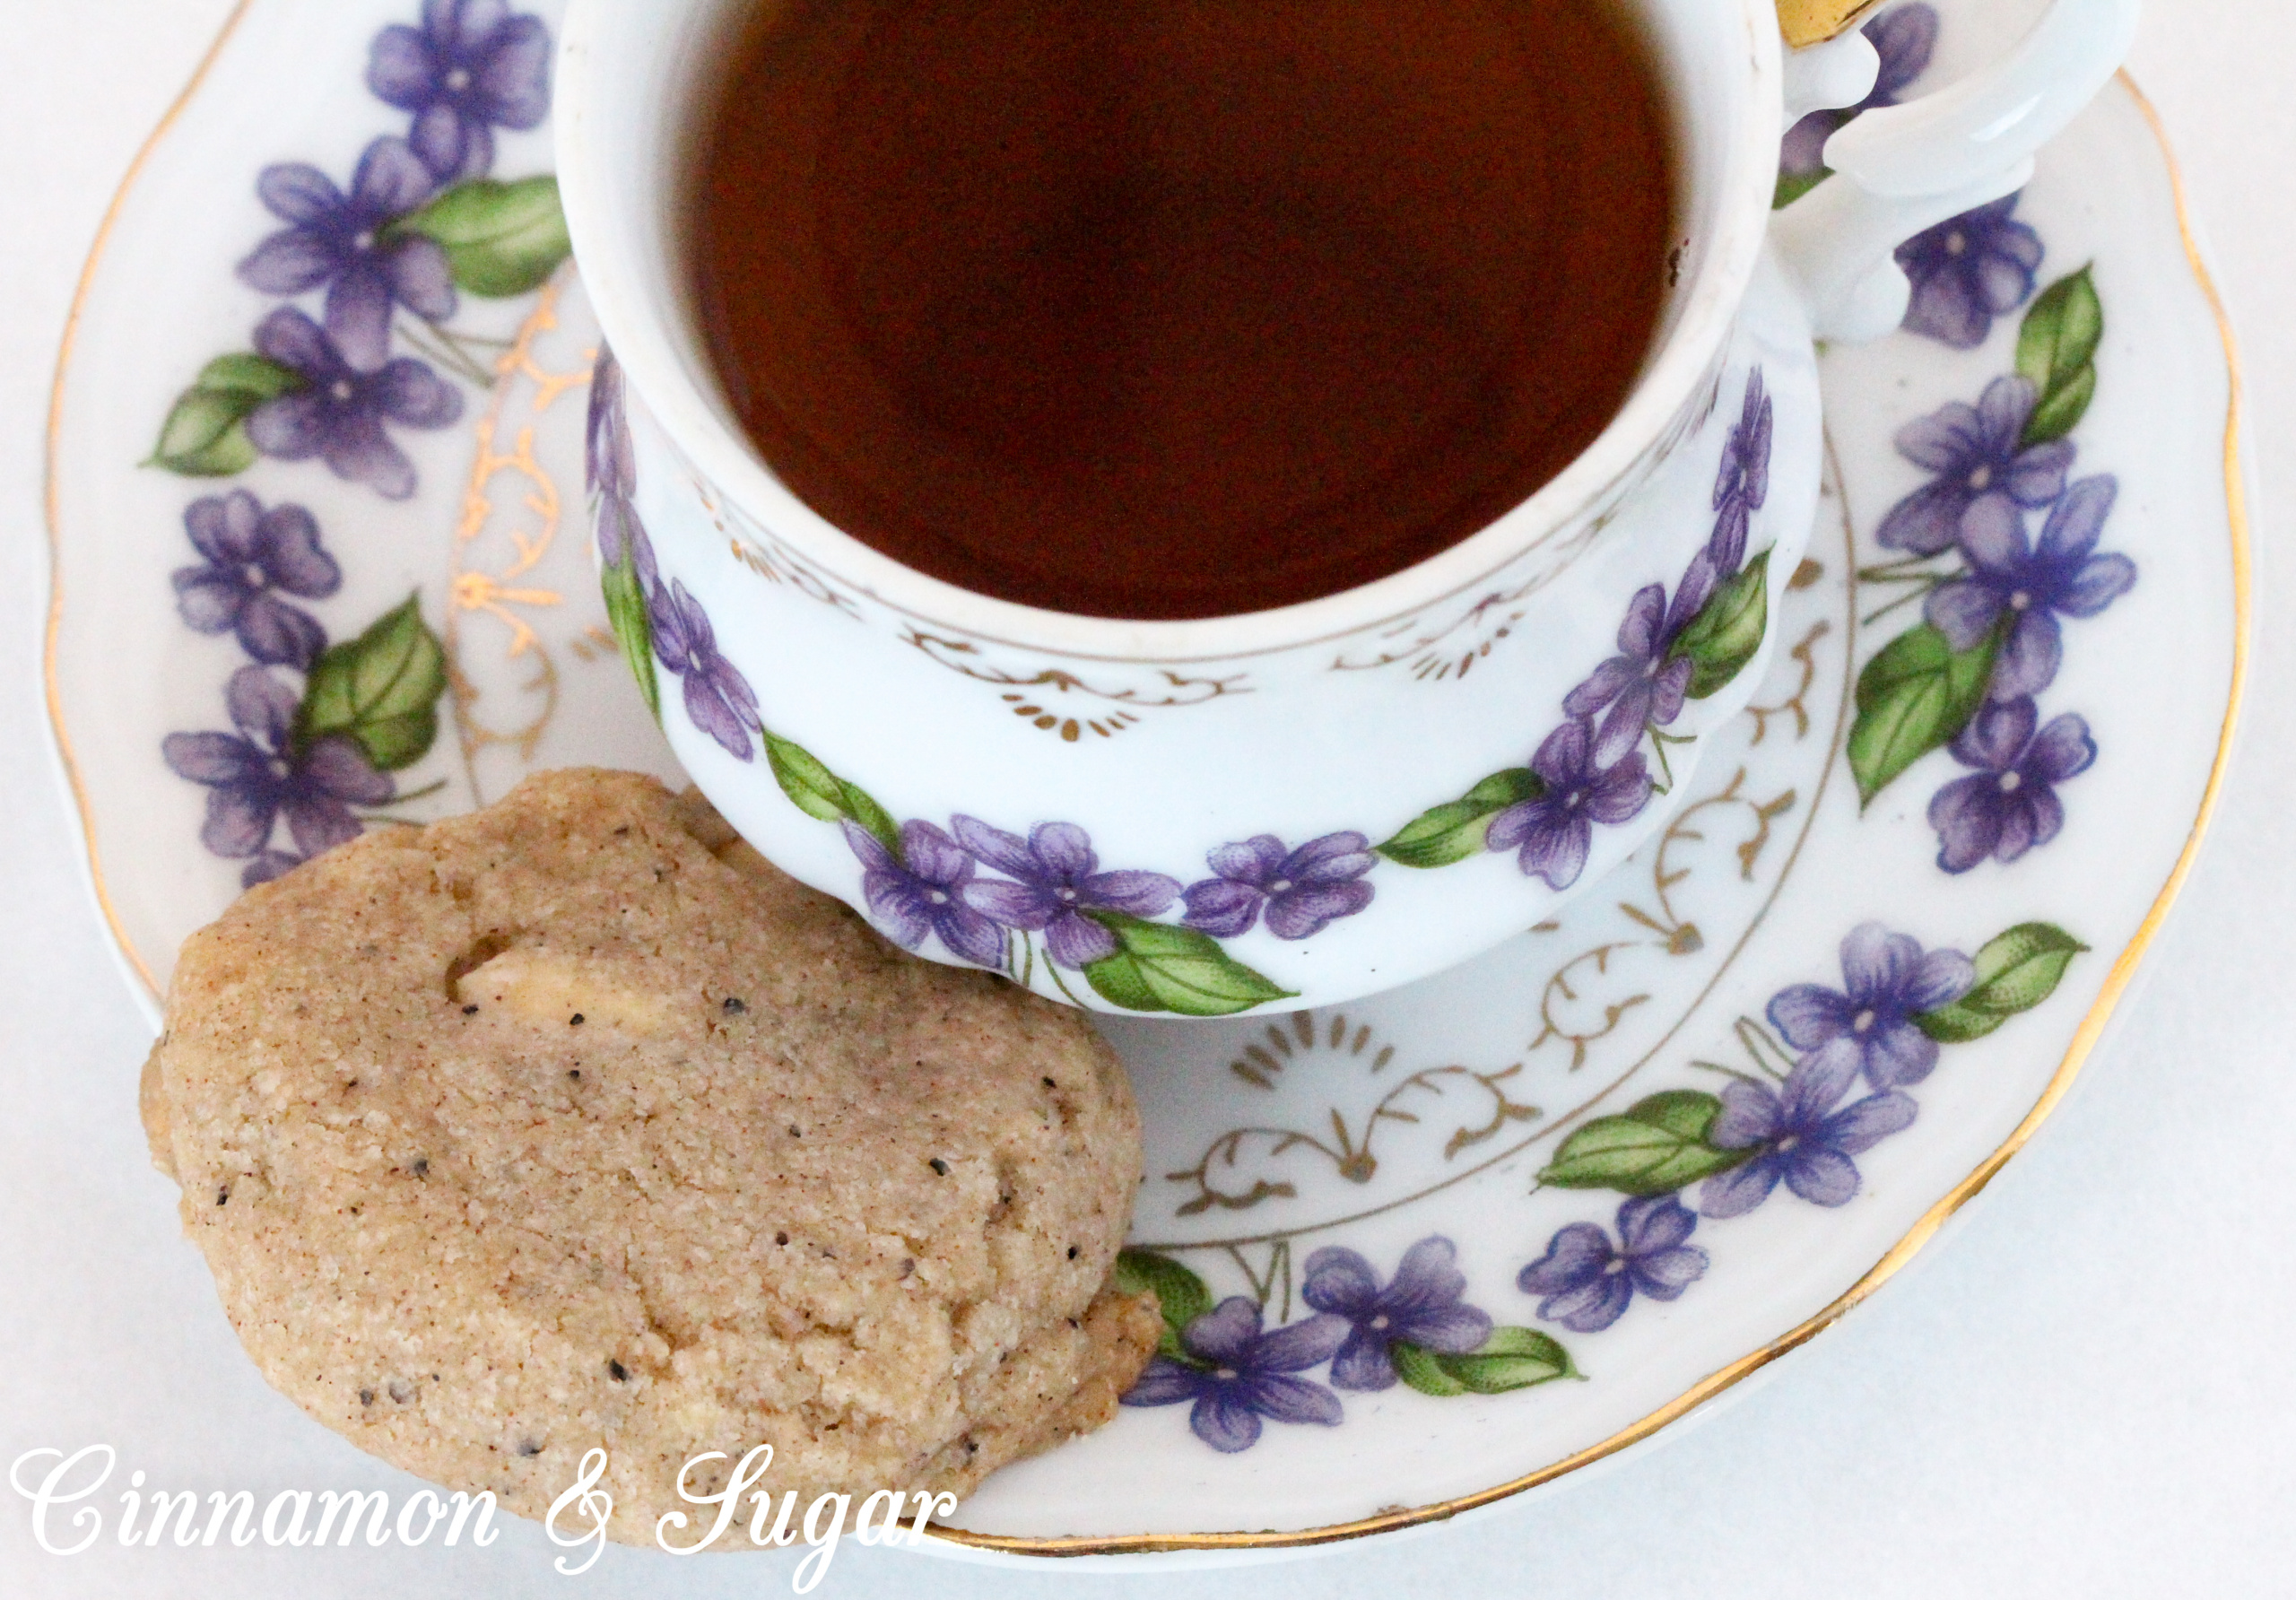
{"x":1297,"y":806}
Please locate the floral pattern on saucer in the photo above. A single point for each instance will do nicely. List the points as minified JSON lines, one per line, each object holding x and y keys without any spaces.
{"x":1784,"y":1119}
{"x":1994,"y":598}
{"x":385,"y":260}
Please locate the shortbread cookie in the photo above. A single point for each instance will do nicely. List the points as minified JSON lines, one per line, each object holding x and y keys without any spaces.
{"x":572,"y":1122}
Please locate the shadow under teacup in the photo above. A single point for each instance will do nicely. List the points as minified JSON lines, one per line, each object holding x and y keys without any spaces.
{"x":1296,"y":806}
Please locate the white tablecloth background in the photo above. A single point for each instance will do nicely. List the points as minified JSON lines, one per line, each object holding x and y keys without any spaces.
{"x":2086,"y":1389}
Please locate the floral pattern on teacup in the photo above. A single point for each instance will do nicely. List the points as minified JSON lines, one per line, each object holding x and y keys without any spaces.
{"x":997,"y":898}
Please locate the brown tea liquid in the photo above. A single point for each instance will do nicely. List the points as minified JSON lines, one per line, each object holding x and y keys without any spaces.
{"x":1164,"y":309}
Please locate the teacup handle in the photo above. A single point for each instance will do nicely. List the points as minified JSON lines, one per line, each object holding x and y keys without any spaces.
{"x":1904,"y":169}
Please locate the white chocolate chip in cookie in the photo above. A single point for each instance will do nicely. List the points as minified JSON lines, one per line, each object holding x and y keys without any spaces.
{"x":550,"y":989}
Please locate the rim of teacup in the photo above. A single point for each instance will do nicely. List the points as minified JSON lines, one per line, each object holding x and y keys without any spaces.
{"x":635,"y":320}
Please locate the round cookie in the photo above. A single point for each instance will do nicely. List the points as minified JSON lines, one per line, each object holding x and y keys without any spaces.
{"x":571,"y":1123}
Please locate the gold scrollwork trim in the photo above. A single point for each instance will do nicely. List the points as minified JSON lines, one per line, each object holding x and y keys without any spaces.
{"x":778,"y":566}
{"x":1026,"y":693}
{"x":1348,"y":1151}
{"x":476,"y":592}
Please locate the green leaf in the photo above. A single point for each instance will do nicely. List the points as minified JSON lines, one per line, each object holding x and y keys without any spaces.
{"x":1512,"y":1358}
{"x":250,"y":376}
{"x":500,"y":239}
{"x":2014,"y":973}
{"x":1728,"y":631}
{"x":1119,"y":981}
{"x":2057,"y":353}
{"x":1657,"y":1147}
{"x":626,"y":611}
{"x":1793,"y":186}
{"x":812,"y":788}
{"x":381,"y":689}
{"x":873,"y":817}
{"x":1179,"y":1293}
{"x":205,"y":434}
{"x":1454,"y":833}
{"x":1159,"y":967}
{"x":1915,"y":697}
{"x":822,"y":795}
{"x":2059,"y":414}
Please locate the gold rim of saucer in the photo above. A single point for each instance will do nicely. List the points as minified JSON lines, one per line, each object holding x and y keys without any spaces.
{"x":1806,"y":22}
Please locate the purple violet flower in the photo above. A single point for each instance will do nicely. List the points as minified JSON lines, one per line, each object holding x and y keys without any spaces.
{"x":1422,"y":1307}
{"x":1303,"y":891}
{"x":1744,"y":487}
{"x":2014,"y":583}
{"x":621,"y":532}
{"x":1887,"y":981}
{"x":920,"y":891}
{"x":255,"y":778}
{"x":1798,"y":1137}
{"x":1587,"y":1283}
{"x":610,"y":464}
{"x":1056,"y":882}
{"x":335,"y":239}
{"x":1640,"y":685}
{"x":610,"y":456}
{"x":268,"y":865}
{"x":1974,"y":450}
{"x":252,"y":557}
{"x":2009,"y":805}
{"x":339,"y":415}
{"x":470,"y":68}
{"x":1969,"y":270}
{"x":1555,"y":831}
{"x":1245,"y":1375}
{"x":1906,"y":38}
{"x":718,"y":698}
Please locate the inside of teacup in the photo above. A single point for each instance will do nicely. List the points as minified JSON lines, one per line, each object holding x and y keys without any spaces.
{"x":1183,"y":309}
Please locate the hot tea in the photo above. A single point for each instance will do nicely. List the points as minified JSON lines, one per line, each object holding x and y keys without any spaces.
{"x":1166,"y":308}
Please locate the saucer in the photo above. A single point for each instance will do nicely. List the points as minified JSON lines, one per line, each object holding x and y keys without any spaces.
{"x":1421,"y":1254}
